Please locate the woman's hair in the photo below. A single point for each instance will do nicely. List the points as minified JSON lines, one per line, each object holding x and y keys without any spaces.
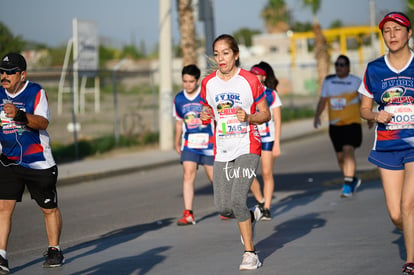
{"x":231,"y":41}
{"x":271,"y":81}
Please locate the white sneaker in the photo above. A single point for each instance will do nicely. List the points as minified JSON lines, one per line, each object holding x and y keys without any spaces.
{"x":250,"y":261}
{"x":257,"y":213}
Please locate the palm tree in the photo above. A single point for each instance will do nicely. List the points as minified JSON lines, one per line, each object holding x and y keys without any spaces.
{"x":187,"y":30}
{"x":276,"y":16}
{"x":320,"y":46}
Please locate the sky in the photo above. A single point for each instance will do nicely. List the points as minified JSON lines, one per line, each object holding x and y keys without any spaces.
{"x":125,"y":22}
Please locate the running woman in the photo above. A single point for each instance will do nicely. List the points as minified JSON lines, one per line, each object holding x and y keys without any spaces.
{"x":389,"y":82}
{"x":235,"y":99}
{"x":270,"y":134}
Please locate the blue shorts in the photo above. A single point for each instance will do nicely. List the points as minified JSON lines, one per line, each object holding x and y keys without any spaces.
{"x":197,"y":158}
{"x":392,"y":160}
{"x":267,"y":146}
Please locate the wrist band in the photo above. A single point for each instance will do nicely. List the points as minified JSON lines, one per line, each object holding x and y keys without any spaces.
{"x":21,"y":117}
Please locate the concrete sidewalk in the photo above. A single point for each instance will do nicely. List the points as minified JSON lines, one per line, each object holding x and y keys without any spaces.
{"x":92,"y":168}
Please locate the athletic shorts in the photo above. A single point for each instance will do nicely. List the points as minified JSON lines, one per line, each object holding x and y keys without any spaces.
{"x":391,"y":160}
{"x":40,"y":183}
{"x":197,"y":158}
{"x":267,"y":146}
{"x":345,"y":135}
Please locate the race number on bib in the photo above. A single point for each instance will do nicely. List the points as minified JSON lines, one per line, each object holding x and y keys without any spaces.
{"x":403,"y":117}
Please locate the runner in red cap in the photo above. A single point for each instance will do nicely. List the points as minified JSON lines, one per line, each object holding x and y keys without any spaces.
{"x":388,"y":81}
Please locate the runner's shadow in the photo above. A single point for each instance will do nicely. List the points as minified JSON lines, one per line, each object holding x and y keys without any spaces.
{"x":106,"y":241}
{"x":289,"y":231}
{"x":400,"y":242}
{"x":139,"y":264}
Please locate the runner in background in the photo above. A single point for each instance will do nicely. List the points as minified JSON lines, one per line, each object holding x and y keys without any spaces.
{"x":339,"y":93}
{"x":270,"y":134}
{"x":193,"y":140}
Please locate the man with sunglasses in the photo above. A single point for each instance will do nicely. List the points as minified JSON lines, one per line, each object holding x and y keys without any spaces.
{"x":339,"y":92}
{"x":26,"y":157}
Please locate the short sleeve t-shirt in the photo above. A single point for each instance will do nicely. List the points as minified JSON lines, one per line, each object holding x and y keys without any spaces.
{"x":196,"y":137}
{"x":343,"y":99}
{"x":232,"y":137}
{"x":393,"y":91}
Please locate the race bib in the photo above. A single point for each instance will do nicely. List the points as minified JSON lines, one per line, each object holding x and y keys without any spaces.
{"x":263,"y":129}
{"x":229,"y":126}
{"x":198,"y":141}
{"x":403,"y":117}
{"x":337,"y":103}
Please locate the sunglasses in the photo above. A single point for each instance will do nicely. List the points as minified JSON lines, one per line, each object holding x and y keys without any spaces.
{"x":10,"y":72}
{"x":337,"y":64}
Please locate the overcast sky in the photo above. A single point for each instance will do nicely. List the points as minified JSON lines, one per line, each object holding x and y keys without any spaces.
{"x":126,"y":21}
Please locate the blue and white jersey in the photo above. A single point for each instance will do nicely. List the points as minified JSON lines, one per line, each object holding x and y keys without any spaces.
{"x":28,"y":147}
{"x":267,"y":129}
{"x":197,"y":138}
{"x":393,"y":91}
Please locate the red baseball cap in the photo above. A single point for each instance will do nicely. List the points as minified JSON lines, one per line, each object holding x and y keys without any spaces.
{"x":397,"y":17}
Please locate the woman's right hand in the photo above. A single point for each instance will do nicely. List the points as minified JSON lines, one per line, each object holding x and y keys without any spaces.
{"x":383,"y":117}
{"x":206,"y":114}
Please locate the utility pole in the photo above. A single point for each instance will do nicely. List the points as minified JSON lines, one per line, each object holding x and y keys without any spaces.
{"x":206,"y":14}
{"x":164,"y":67}
{"x":372,"y":18}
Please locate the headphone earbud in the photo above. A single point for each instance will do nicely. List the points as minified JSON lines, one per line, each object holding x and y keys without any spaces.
{"x":22,"y":78}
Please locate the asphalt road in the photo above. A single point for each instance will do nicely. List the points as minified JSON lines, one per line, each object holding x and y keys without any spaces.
{"x":126,"y":224}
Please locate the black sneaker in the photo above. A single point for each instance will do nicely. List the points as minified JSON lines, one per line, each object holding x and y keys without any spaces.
{"x":54,"y":257}
{"x":261,"y":206}
{"x":4,"y":266}
{"x":266,"y":215}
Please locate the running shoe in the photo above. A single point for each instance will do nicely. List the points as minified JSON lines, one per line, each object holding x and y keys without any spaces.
{"x":261,"y":206}
{"x":187,"y":219}
{"x":408,"y":268}
{"x":355,"y":184}
{"x":346,"y":191}
{"x":227,"y":217}
{"x":54,"y":257}
{"x":266,"y":215}
{"x":4,"y":266}
{"x":256,"y":216}
{"x":250,"y":261}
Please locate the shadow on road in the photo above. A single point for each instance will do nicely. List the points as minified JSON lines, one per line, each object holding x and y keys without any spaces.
{"x":109,"y":240}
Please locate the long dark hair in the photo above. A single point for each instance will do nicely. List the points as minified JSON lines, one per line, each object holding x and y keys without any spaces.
{"x":271,"y":81}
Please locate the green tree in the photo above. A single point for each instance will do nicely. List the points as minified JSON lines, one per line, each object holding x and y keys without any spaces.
{"x":336,"y":24}
{"x":132,"y":52}
{"x":276,"y":16}
{"x":302,"y":27}
{"x":9,"y":42}
{"x":410,"y":9}
{"x":244,"y":36}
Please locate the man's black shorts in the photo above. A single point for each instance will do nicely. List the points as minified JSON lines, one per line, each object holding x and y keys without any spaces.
{"x":40,"y":183}
{"x":345,"y":135}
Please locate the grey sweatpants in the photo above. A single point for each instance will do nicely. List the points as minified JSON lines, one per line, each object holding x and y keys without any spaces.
{"x":231,"y":184}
